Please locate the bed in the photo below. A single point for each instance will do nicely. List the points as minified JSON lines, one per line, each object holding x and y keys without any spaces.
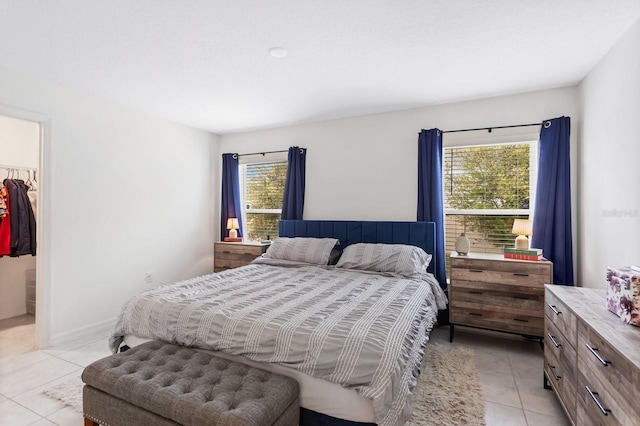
{"x":352,"y":338}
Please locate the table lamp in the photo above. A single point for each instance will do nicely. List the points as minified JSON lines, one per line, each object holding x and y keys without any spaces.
{"x":232,"y":225}
{"x":522,"y":228}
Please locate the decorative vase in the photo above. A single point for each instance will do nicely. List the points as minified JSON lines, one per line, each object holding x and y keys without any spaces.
{"x":462,"y":245}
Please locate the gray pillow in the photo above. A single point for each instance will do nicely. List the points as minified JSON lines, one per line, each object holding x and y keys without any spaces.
{"x":395,"y":258}
{"x":302,"y":249}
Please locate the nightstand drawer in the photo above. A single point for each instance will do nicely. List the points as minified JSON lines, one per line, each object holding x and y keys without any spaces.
{"x":500,"y":264}
{"x":239,"y":249}
{"x":524,"y":276}
{"x":520,"y":297}
{"x":503,"y":318}
{"x":235,"y":255}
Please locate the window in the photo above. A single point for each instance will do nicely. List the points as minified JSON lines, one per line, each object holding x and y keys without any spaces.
{"x":485,"y":188}
{"x":262,"y":190}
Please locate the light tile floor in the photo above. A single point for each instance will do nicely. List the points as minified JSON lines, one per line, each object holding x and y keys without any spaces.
{"x":510,"y":369}
{"x":25,"y":373}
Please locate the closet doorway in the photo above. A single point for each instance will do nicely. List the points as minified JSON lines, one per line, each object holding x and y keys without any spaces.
{"x":20,"y":161}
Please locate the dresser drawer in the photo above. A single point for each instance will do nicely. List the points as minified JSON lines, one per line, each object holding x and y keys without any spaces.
{"x":597,"y":403}
{"x":559,"y":377}
{"x":561,"y":317}
{"x":556,"y":345}
{"x":560,"y":366}
{"x":619,"y":376}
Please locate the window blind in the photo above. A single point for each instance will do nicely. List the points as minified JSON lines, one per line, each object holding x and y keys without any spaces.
{"x":485,"y":188}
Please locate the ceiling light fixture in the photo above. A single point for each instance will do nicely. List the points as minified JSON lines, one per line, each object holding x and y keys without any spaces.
{"x":278,"y":52}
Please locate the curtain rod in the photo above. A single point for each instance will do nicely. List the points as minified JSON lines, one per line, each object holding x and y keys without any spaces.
{"x":261,"y":153}
{"x":494,"y":127}
{"x":266,"y":152}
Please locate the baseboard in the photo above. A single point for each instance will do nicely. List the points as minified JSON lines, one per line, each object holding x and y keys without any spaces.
{"x":103,"y":327}
{"x":10,"y":313}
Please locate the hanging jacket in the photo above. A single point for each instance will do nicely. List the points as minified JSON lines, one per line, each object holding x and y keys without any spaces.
{"x":28,"y":244}
{"x":14,"y":191}
{"x":5,"y":226}
{"x":22,"y":219}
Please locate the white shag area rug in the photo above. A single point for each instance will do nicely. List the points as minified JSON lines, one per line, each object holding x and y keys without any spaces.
{"x":69,"y":392}
{"x":448,"y":390}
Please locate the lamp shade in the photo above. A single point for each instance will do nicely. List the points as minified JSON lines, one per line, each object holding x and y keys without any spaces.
{"x":232,"y":223}
{"x":522,"y":227}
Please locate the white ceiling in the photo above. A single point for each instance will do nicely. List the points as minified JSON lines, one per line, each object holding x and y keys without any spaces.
{"x":205,"y":63}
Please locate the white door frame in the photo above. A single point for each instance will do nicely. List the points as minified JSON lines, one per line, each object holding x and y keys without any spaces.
{"x":43,"y":258}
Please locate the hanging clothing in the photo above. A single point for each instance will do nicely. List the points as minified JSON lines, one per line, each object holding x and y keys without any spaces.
{"x":3,"y":206}
{"x":5,"y":225}
{"x":22,"y":219}
{"x":27,"y":243}
{"x":33,"y":199}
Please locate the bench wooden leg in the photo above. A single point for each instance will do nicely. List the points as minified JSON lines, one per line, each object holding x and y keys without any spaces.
{"x":89,"y":422}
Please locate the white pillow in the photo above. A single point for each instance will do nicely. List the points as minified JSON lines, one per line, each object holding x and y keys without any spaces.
{"x":396,"y":258}
{"x":299,"y":249}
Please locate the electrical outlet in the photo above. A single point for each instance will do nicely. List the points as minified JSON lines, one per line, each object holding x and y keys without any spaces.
{"x":148,"y":278}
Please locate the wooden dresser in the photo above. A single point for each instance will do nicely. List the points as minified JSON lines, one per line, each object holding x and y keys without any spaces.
{"x":233,"y":255}
{"x":591,"y":358}
{"x":489,"y":291}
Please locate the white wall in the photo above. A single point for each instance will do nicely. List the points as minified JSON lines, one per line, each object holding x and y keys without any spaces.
{"x":610,"y":158}
{"x":365,"y":168}
{"x":19,"y":146}
{"x":126,"y":193}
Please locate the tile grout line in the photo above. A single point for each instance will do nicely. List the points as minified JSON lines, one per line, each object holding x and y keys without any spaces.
{"x":513,"y":376}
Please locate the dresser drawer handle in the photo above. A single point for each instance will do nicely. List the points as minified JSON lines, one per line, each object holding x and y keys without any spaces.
{"x":520,"y":296}
{"x":475,"y":292}
{"x":520,"y":320}
{"x":553,"y":308}
{"x":553,"y":340}
{"x":595,"y":353}
{"x":225,"y":251}
{"x":247,"y":253}
{"x":476,"y":270}
{"x":553,"y":371}
{"x":594,"y":396}
{"x":475,"y":314}
{"x":517,"y":274}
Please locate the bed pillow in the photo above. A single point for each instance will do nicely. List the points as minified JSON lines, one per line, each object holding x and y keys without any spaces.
{"x":309,"y":250}
{"x":395,"y":258}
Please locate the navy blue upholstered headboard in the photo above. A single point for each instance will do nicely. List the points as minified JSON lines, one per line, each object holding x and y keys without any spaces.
{"x":421,"y":234}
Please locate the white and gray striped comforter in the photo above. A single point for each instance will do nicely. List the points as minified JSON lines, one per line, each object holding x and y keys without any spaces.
{"x":364,"y":331}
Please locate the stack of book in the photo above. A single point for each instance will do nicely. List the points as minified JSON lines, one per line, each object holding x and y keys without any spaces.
{"x":523,"y":254}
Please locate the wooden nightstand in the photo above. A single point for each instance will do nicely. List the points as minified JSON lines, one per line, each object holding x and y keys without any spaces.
{"x":491,"y":292}
{"x":233,"y":255}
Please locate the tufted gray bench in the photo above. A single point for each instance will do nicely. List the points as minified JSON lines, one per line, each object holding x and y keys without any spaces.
{"x":162,"y":384}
